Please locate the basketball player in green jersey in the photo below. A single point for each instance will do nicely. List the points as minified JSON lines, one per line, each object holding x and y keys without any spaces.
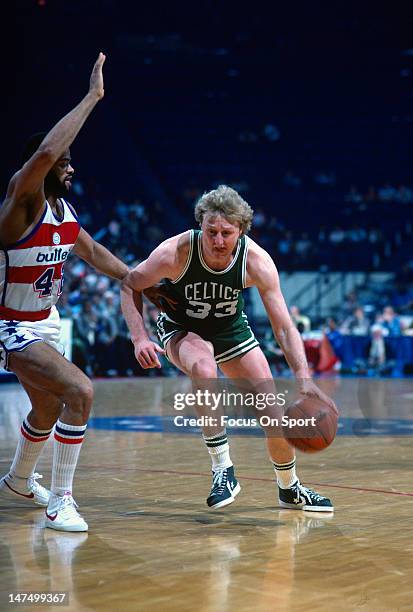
{"x":206,"y":272}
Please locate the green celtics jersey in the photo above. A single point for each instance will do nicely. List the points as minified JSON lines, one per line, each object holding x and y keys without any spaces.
{"x":208,"y":300}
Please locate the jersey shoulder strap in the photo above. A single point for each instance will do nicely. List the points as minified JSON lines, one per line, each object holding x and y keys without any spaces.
{"x":188,"y":262}
{"x":245,"y":242}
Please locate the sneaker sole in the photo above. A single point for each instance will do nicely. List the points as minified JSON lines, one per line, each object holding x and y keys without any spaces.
{"x":72,"y":529}
{"x":21,"y":505}
{"x":306,"y":508}
{"x":11,"y":501}
{"x":228,"y":501}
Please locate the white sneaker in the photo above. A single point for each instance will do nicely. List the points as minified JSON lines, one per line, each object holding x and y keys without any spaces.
{"x":34,"y":495}
{"x":61,"y":514}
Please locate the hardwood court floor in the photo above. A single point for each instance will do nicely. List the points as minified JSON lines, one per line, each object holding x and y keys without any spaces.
{"x":154,"y":545}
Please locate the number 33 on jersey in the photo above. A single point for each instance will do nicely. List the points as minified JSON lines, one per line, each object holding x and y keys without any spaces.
{"x":208,"y":298}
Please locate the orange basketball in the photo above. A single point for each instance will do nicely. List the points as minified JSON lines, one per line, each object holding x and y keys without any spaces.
{"x":310,"y":424}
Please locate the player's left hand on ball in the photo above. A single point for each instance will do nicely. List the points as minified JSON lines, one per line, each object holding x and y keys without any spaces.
{"x":308,"y":388}
{"x":146,"y":354}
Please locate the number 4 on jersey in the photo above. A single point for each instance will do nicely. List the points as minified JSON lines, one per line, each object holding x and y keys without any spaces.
{"x":43,"y":285}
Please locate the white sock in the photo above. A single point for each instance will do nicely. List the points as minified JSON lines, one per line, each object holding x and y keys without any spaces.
{"x":67,"y":444}
{"x":30,"y":445}
{"x":218,"y":448}
{"x":285,"y":473}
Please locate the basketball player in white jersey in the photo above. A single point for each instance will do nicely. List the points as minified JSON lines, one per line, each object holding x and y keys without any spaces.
{"x":38,"y":229}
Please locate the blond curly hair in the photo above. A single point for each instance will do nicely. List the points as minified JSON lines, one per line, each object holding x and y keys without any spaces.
{"x":227,"y":202}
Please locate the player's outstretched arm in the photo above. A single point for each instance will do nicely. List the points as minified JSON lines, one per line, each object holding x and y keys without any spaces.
{"x":26,"y":186}
{"x":99,"y":257}
{"x":262,"y":273}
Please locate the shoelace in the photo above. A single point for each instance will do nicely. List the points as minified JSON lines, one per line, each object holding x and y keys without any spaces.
{"x":31,"y":481}
{"x":219,"y":480}
{"x":67,"y":506}
{"x":315,"y":496}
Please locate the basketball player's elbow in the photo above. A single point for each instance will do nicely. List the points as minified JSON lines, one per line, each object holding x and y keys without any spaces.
{"x":125,"y":285}
{"x":44,"y":157}
{"x":45,"y":152}
{"x":33,"y":171}
{"x":282,"y":330}
{"x":128,"y":284}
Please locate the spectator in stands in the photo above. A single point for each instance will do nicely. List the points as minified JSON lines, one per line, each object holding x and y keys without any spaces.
{"x":335,"y":337}
{"x":350,"y":303}
{"x":408,"y":331}
{"x":357,"y":324}
{"x":391,"y":322}
{"x":105,"y":335}
{"x":275,"y":356}
{"x":84,"y":333}
{"x":336,"y":236}
{"x":303,"y":247}
{"x":353,"y":195}
{"x":387,"y":193}
{"x":275,"y":225}
{"x":111,"y":303}
{"x":356,"y":234}
{"x":379,"y":357}
{"x":271,"y":132}
{"x":300,"y":319}
{"x":404,"y":194}
{"x":322,"y":234}
{"x":259,"y":218}
{"x":65,"y":310}
{"x":375,"y":235}
{"x":285,"y":245}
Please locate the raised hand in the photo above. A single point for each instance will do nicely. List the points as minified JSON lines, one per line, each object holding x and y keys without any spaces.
{"x":96,"y":78}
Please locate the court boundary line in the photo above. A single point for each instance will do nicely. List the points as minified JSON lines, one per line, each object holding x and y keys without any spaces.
{"x":253,"y":478}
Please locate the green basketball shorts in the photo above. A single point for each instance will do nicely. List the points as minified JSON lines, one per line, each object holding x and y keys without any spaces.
{"x":231,"y":342}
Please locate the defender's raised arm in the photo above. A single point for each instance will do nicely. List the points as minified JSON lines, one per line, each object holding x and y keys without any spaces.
{"x":26,"y":187}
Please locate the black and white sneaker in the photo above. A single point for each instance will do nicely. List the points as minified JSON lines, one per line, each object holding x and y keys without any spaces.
{"x":299,"y":497}
{"x":225,"y":488}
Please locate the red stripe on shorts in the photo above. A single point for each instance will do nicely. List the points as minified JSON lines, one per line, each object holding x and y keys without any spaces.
{"x":9,"y":314}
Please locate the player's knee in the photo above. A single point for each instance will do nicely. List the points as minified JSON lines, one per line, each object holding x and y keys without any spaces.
{"x":204,"y":368}
{"x":86,"y":393}
{"x":80,"y":396}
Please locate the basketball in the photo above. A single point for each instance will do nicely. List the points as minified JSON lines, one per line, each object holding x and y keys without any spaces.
{"x":310,"y":424}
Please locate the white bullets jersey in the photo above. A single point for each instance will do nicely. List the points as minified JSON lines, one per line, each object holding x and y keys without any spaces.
{"x":31,"y":269}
